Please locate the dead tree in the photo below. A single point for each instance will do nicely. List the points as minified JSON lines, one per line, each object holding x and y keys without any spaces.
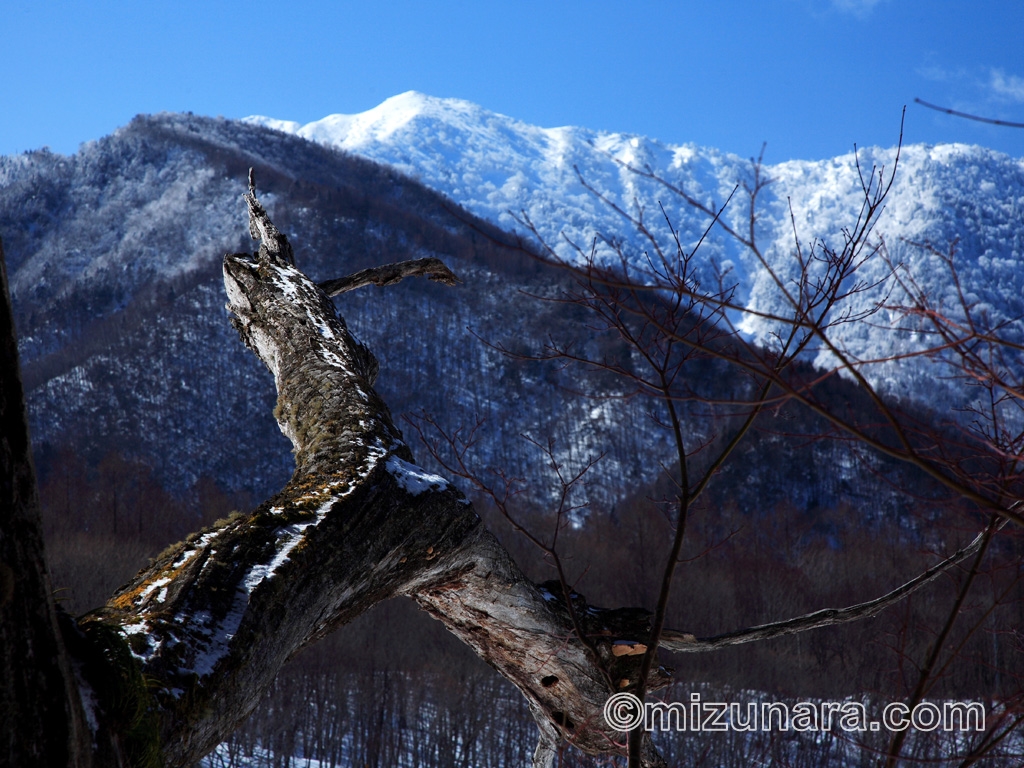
{"x":182,"y":654}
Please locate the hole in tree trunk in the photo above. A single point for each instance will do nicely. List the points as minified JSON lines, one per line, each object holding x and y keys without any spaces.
{"x":563,"y":720}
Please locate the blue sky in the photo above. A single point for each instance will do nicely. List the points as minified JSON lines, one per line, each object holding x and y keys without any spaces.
{"x":809,"y":77}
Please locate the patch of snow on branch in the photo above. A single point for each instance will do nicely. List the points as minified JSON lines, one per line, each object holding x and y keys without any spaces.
{"x":288,"y":537}
{"x":412,"y":479}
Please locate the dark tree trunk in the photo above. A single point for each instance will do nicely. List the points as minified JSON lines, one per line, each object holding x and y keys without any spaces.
{"x":42,"y":722}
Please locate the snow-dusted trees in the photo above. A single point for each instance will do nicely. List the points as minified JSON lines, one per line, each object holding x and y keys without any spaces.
{"x":673,"y":315}
{"x":182,"y":654}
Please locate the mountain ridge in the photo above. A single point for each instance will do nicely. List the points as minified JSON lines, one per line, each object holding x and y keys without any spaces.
{"x":125,"y":344}
{"x":115,"y":252}
{"x":503,"y":170}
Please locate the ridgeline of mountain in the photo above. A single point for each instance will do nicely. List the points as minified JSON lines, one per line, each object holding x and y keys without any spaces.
{"x":502,"y":169}
{"x":114,"y":255}
{"x":115,"y":262}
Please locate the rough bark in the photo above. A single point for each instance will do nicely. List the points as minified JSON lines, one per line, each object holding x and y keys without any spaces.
{"x":42,"y":721}
{"x":389,"y":274}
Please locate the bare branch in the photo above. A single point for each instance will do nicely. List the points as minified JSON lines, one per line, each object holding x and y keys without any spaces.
{"x":968,"y":115}
{"x":684,"y":642}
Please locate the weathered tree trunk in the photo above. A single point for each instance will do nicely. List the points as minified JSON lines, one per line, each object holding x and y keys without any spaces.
{"x":211,"y":621}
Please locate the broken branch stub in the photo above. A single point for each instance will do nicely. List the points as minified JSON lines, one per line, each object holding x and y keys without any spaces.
{"x":389,"y":274}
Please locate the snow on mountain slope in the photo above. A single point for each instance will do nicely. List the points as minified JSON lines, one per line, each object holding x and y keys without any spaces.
{"x":965,"y":197}
{"x":500,"y":168}
{"x":114,"y":256}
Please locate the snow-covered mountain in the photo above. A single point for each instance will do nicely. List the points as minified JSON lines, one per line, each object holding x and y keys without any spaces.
{"x":501,"y":168}
{"x":114,"y":259}
{"x":505,"y":170}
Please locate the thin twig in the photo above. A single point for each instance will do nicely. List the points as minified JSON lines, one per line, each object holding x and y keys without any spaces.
{"x":687,"y":643}
{"x":968,"y":116}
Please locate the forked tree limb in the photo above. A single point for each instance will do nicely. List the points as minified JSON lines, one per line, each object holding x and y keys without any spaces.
{"x":198,"y":636}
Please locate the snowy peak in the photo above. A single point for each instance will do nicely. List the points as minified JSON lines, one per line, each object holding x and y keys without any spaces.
{"x":115,"y":256}
{"x":407,"y":112}
{"x":506,"y":170}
